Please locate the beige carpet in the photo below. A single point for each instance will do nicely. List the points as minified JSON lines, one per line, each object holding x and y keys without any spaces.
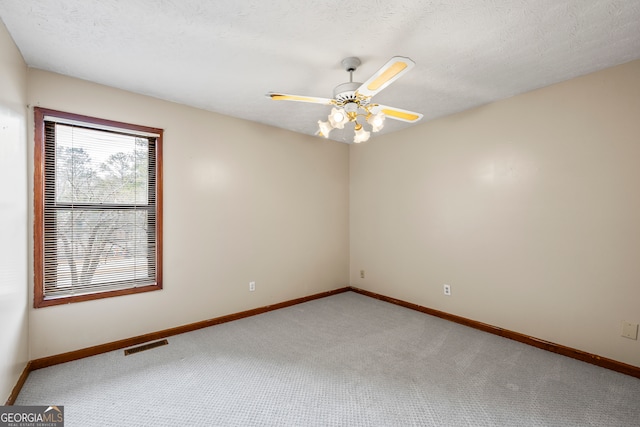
{"x":344,"y":360}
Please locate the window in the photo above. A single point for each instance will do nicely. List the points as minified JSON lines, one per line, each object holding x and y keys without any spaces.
{"x":98,"y":208}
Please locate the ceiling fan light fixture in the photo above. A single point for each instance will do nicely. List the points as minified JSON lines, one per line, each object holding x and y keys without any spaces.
{"x":325,"y":128}
{"x":338,"y":118}
{"x":376,"y":121}
{"x":360,"y":135}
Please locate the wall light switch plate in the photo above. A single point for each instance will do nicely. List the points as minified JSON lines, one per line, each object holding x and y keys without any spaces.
{"x":630,"y":330}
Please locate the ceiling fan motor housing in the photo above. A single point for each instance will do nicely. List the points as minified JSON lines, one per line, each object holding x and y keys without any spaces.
{"x":346,"y":92}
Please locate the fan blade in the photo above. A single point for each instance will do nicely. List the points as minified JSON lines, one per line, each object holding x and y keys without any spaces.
{"x":287,"y":97}
{"x":397,"y":113}
{"x":390,"y":72}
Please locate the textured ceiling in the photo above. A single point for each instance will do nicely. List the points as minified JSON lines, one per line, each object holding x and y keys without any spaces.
{"x":225,"y":55}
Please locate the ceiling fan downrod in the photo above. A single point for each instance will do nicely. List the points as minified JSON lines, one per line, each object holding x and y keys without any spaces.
{"x":351,"y":64}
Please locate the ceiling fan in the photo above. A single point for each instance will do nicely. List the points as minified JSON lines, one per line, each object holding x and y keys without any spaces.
{"x":352,"y":99}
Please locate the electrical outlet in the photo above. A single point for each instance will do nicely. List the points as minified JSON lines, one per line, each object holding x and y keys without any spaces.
{"x":630,"y":330}
{"x":252,"y":286}
{"x":447,"y":290}
{"x":362,"y":274}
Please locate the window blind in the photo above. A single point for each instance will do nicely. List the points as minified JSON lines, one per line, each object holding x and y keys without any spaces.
{"x":99,"y":219}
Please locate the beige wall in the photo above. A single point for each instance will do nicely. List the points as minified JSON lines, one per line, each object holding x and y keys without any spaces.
{"x":529,"y":208}
{"x":13,"y":215}
{"x":242,"y":202}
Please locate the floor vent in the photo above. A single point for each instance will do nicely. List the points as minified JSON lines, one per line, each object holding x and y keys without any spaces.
{"x":145,"y":347}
